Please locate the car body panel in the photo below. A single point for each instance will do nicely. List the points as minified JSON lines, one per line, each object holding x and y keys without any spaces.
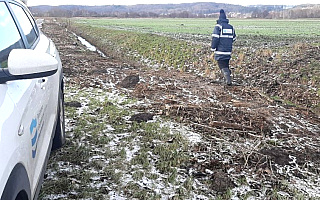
{"x":28,"y":118}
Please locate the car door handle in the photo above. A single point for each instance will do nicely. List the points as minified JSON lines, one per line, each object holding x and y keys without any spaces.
{"x":21,"y":130}
{"x":43,"y":82}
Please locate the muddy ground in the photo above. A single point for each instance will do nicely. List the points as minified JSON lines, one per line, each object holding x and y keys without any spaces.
{"x":269,"y":141}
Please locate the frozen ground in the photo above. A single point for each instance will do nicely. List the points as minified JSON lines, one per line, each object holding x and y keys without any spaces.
{"x":205,"y":140}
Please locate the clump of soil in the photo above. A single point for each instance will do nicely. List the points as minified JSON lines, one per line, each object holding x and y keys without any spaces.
{"x":278,"y":155}
{"x":221,"y":182}
{"x":74,"y":104}
{"x":142,"y":117}
{"x":130,"y":81}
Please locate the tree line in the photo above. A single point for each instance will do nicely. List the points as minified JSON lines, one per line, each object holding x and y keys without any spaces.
{"x":85,"y":13}
{"x":254,"y":12}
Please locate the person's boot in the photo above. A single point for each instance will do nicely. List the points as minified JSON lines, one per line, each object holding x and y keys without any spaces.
{"x":226,"y":73}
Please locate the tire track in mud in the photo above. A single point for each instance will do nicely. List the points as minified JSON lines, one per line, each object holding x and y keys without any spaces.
{"x":246,"y":135}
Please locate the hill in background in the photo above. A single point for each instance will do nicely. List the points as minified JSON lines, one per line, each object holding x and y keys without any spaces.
{"x":184,"y":10}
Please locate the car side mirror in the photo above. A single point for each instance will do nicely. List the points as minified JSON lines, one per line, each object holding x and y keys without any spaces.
{"x":28,"y":64}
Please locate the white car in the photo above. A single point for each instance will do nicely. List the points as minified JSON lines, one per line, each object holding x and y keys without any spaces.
{"x":31,"y":102}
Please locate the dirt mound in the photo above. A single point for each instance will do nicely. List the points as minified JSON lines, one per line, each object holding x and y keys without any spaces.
{"x":141,"y":117}
{"x":130,"y":81}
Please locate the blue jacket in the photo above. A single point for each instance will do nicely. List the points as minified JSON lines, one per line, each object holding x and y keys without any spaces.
{"x":222,"y":39}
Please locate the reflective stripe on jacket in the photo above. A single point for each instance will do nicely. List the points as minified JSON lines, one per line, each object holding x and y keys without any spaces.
{"x":222,"y":39}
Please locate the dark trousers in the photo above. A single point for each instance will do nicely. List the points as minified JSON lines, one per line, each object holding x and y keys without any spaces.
{"x":223,"y":64}
{"x":224,"y":67}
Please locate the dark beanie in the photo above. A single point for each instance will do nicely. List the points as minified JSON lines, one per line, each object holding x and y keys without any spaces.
{"x":222,"y":14}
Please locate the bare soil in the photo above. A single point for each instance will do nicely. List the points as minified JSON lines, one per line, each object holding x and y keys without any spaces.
{"x":271,"y":139}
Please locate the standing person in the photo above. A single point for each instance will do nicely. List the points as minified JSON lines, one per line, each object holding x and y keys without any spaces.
{"x":222,"y":39}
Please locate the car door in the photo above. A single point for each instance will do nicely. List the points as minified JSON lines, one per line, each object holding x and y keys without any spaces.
{"x":15,"y":141}
{"x":31,"y":98}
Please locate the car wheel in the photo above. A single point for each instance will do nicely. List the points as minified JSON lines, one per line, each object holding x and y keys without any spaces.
{"x":60,"y":135}
{"x":18,"y":186}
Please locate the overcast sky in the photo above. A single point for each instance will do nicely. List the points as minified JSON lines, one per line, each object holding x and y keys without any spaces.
{"x":133,"y":2}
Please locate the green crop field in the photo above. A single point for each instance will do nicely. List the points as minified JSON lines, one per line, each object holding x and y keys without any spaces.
{"x":300,"y":28}
{"x":185,"y":43}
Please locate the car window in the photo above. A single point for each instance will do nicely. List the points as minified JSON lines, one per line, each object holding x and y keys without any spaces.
{"x":31,"y":20}
{"x":9,"y":35}
{"x":25,"y":24}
